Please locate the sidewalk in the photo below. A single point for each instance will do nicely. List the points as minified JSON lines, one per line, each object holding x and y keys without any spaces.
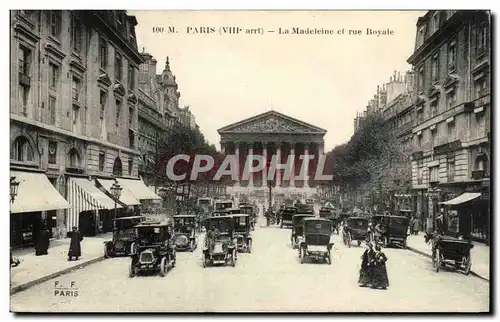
{"x":480,"y":254}
{"x":38,"y":269}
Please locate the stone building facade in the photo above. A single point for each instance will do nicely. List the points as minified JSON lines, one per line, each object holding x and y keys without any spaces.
{"x":451,"y":135}
{"x":74,"y":97}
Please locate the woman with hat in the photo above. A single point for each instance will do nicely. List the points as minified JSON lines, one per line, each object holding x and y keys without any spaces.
{"x":365,"y":271}
{"x":379,"y":270}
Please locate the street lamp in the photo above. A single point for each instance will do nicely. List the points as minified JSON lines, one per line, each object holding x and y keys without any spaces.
{"x":14,"y":186}
{"x":116,"y":191}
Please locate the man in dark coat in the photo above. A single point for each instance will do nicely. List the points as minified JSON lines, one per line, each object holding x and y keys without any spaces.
{"x":43,"y":241}
{"x":379,"y":273}
{"x":365,"y":273}
{"x":75,"y":249}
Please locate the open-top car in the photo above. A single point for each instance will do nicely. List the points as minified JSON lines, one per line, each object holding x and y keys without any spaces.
{"x":123,"y":236}
{"x":297,"y":228}
{"x":316,"y":241}
{"x":184,"y":232}
{"x":452,"y":251}
{"x":355,"y":229}
{"x":242,"y":232}
{"x":154,"y":250}
{"x":286,"y":216}
{"x":220,"y":244}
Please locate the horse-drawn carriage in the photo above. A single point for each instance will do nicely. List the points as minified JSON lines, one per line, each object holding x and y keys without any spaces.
{"x":316,"y":241}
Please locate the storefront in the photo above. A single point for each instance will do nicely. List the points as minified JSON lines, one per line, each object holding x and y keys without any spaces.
{"x":129,"y":202}
{"x":33,"y":207}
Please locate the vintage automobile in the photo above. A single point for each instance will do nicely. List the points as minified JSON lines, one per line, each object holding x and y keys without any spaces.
{"x":286,"y":216}
{"x":305,"y":208}
{"x":123,"y":236}
{"x":316,"y":241}
{"x":221,"y":249}
{"x":250,"y":211}
{"x":355,"y":229}
{"x":325,"y":212}
{"x":223,"y":204}
{"x":184,"y":237}
{"x":154,"y":250}
{"x":242,"y":228}
{"x":452,"y":251}
{"x":297,"y":228}
{"x":393,"y":230}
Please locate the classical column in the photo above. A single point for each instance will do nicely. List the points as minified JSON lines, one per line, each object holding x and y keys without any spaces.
{"x":306,"y":152}
{"x":292,"y":170}
{"x":223,"y":147}
{"x":278,"y":161}
{"x":237,"y":155}
{"x":264,"y":171}
{"x":250,"y":175}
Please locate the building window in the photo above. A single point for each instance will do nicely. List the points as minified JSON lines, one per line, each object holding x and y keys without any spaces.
{"x":451,"y":171}
{"x":53,"y":75}
{"x":130,"y":116}
{"x":421,"y":35}
{"x":451,"y":99}
{"x":52,"y":152}
{"x":452,"y":132}
{"x":482,"y":36}
{"x":130,"y":166}
{"x":24,"y":92}
{"x":435,"y":68}
{"x":420,"y":79}
{"x":480,"y":89}
{"x":55,"y":23}
{"x":117,"y":167}
{"x":52,"y":110}
{"x":102,"y":158}
{"x":76,"y":34}
{"x":119,"y":22}
{"x":103,"y":54}
{"x":74,"y":158}
{"x":118,"y":111}
{"x":24,"y":60}
{"x":452,"y":56}
{"x":102,"y":103}
{"x":434,"y":138}
{"x":420,"y":175}
{"x":22,"y":151}
{"x":434,"y":174}
{"x":76,"y":88}
{"x":118,"y":67}
{"x":434,"y":108}
{"x":420,"y":114}
{"x":131,"y":77}
{"x":76,"y":111}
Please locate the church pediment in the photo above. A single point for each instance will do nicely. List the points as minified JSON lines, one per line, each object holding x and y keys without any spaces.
{"x":271,"y":122}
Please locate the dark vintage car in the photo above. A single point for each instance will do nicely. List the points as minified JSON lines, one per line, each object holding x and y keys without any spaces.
{"x":242,"y":232}
{"x":325,"y":212}
{"x":184,"y":237}
{"x":221,"y":249}
{"x":355,"y":229}
{"x":123,"y":236}
{"x":305,"y":208}
{"x":250,"y":211}
{"x":452,"y":251}
{"x":154,"y":250}
{"x":223,"y":204}
{"x":297,"y":228}
{"x":393,"y":230}
{"x":286,"y":216}
{"x":316,"y":242}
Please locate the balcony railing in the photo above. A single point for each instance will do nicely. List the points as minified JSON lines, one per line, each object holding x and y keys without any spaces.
{"x":448,"y":147}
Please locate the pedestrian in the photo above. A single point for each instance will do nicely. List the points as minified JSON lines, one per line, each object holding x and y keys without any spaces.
{"x":43,"y":240}
{"x":379,"y":270}
{"x":416,"y":226}
{"x":75,"y":249}
{"x":210,"y":237}
{"x":365,"y":272}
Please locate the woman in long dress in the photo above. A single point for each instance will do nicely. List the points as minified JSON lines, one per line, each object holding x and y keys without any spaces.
{"x":75,"y":249}
{"x":365,"y":271}
{"x":379,"y":273}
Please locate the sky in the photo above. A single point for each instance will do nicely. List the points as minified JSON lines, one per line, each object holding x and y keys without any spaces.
{"x":320,"y":79}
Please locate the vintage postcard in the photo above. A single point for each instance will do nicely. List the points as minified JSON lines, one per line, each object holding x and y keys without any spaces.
{"x":250,"y":161}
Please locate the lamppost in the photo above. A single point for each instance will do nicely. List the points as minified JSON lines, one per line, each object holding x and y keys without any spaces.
{"x":14,"y":186}
{"x":116,"y":191}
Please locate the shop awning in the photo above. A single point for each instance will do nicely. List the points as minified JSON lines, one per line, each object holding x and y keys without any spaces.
{"x":138,"y":189}
{"x":91,"y":195}
{"x":126,"y":196}
{"x":36,"y":193}
{"x":463,"y":198}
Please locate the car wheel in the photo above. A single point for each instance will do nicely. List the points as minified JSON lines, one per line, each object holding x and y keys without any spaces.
{"x":163,"y":266}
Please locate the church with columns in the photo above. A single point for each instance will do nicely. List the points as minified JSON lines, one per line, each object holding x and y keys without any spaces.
{"x":267,"y":134}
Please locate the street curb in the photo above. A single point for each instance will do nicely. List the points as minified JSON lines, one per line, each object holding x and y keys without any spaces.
{"x":40,"y":280}
{"x":428,"y":255}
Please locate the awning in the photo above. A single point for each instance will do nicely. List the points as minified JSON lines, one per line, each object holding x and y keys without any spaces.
{"x":138,"y":189}
{"x":36,"y":193}
{"x":463,"y":198}
{"x":92,"y":195}
{"x":126,"y":196}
